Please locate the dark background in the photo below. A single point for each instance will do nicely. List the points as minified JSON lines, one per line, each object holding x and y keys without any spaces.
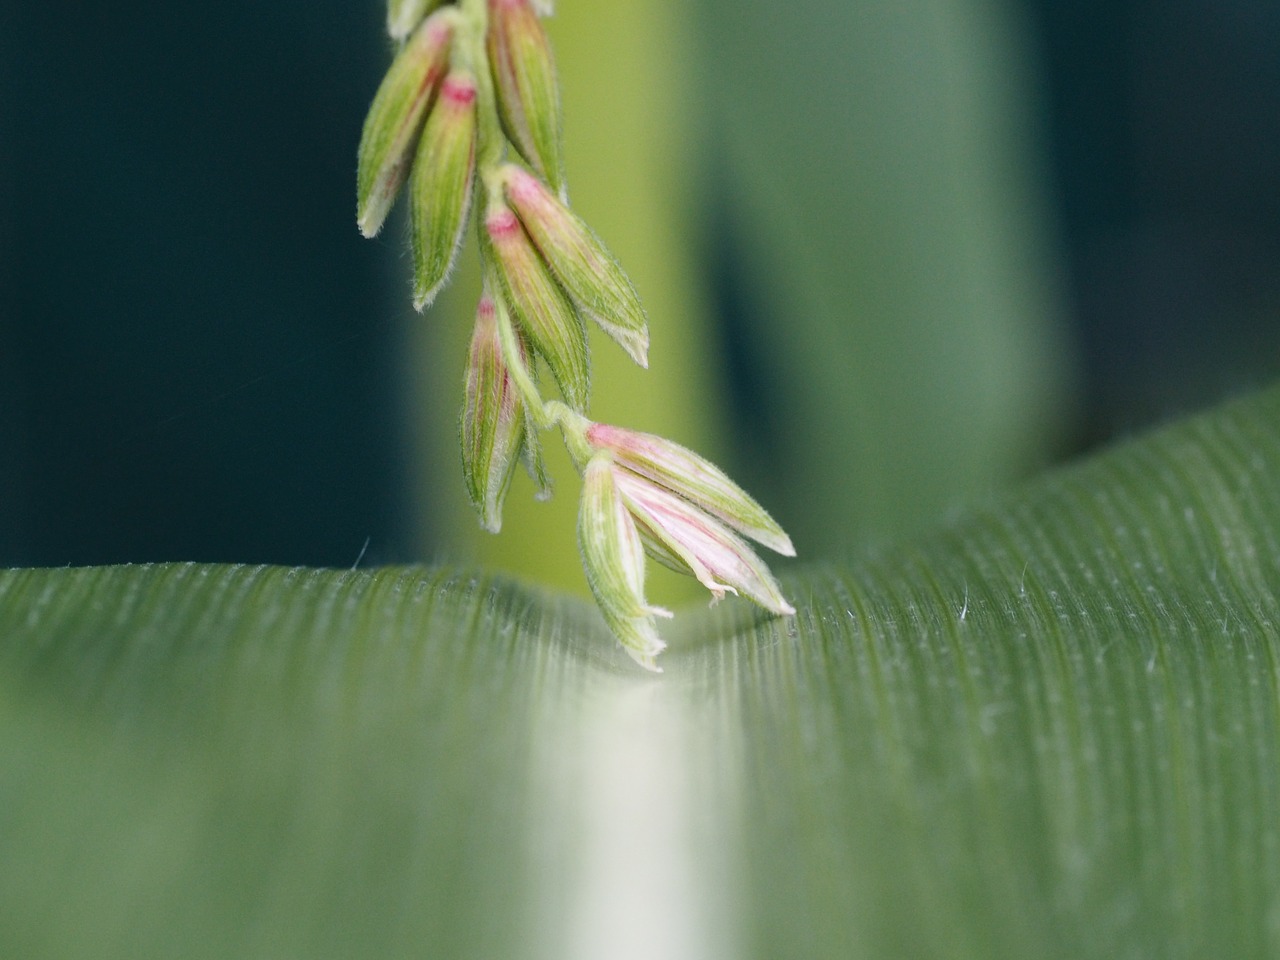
{"x":1164,"y":143}
{"x":199,"y":354}
{"x":197,"y":344}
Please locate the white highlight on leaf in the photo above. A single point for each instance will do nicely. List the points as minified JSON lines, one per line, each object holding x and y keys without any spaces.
{"x":644,"y":881}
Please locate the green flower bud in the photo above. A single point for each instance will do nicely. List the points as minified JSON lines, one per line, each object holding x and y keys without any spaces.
{"x":541,"y":310}
{"x":404,"y":15}
{"x":493,"y":422}
{"x":703,"y":545}
{"x":591,"y":277}
{"x":440,"y":187}
{"x":524,"y":75}
{"x":396,"y":117}
{"x":613,"y":558}
{"x":694,"y":478}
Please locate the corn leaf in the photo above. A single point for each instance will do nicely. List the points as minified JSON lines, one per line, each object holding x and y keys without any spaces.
{"x":1046,"y":730}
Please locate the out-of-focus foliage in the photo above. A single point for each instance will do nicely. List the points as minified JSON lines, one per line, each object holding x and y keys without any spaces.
{"x":882,"y":228}
{"x":1049,"y":729}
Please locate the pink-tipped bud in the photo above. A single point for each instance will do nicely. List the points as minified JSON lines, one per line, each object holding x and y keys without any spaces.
{"x":524,"y":76}
{"x":705,"y":547}
{"x":440,"y":188}
{"x":541,"y":310}
{"x":613,"y":558}
{"x":493,"y":421}
{"x":395,"y":119}
{"x":694,"y":478}
{"x":591,"y":277}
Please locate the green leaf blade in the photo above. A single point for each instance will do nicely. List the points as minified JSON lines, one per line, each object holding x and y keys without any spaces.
{"x":1050,"y":729}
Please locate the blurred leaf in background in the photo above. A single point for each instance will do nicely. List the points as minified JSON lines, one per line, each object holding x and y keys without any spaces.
{"x":884,"y":257}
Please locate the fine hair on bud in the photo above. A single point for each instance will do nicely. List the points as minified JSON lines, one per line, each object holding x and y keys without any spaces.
{"x":441,"y":186}
{"x":524,"y":77}
{"x":541,"y":310}
{"x":492,"y":425}
{"x":613,"y":558}
{"x":692,"y":477}
{"x":591,"y":276}
{"x":396,"y":117}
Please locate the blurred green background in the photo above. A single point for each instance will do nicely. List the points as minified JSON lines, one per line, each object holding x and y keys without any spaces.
{"x":897,"y":254}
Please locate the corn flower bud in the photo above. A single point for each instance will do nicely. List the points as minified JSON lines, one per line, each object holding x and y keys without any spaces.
{"x":493,"y":422}
{"x":692,"y":477}
{"x":525,"y":78}
{"x":541,"y":310}
{"x":613,"y":557}
{"x":396,"y":117}
{"x":674,"y":529}
{"x":591,"y":277}
{"x":440,"y":187}
{"x":404,"y":15}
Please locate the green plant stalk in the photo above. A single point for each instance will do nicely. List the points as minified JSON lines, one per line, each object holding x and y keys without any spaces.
{"x":546,"y":414}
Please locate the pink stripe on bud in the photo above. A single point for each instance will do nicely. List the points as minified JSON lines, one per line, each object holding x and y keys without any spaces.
{"x":585,"y":269}
{"x":692,"y":477}
{"x":493,"y":423}
{"x":719,"y":559}
{"x":502,"y":225}
{"x":396,"y":118}
{"x":459,"y":89}
{"x":524,"y":79}
{"x":541,"y":310}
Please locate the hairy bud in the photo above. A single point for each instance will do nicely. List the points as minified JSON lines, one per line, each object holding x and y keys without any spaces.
{"x":694,"y":478}
{"x":613,"y":557}
{"x":591,"y":277}
{"x":675,"y":529}
{"x":493,"y":421}
{"x":440,"y":187}
{"x":395,"y":120}
{"x":540,"y":307}
{"x":525,"y":78}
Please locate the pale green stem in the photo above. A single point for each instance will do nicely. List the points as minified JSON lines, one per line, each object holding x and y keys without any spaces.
{"x":546,"y":414}
{"x":515,"y":366}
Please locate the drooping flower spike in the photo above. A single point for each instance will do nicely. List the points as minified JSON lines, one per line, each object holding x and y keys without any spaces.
{"x":472,"y":89}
